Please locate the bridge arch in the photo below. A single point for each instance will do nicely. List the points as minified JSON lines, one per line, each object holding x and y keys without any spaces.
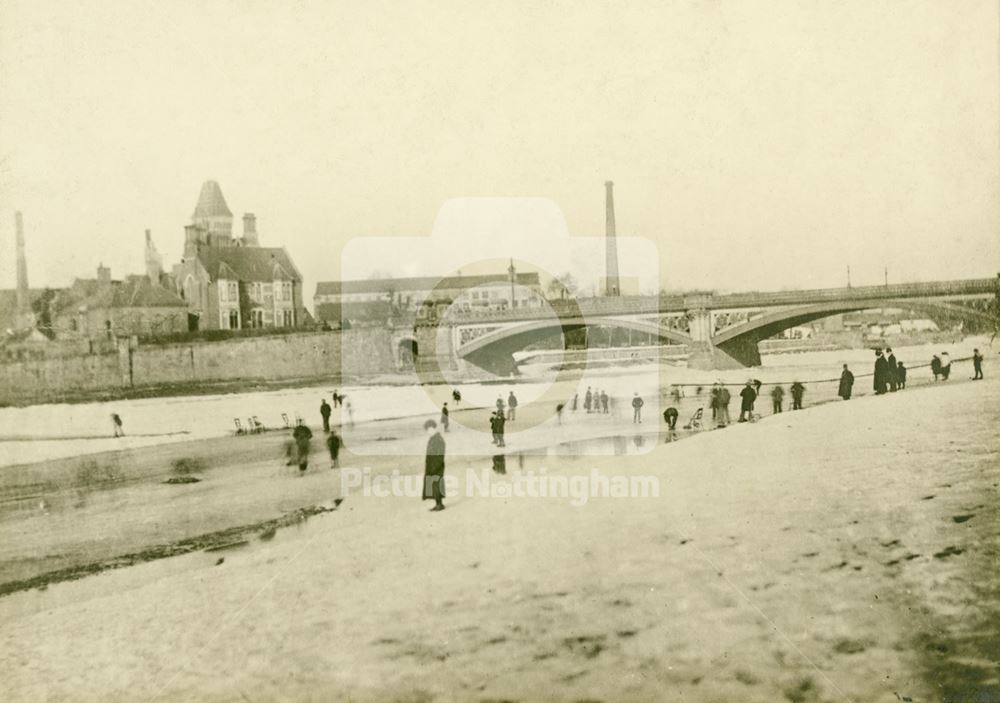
{"x":740,"y":341}
{"x":494,"y":350}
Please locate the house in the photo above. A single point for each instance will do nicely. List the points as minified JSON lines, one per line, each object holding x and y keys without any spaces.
{"x":102,"y":307}
{"x":234,"y":283}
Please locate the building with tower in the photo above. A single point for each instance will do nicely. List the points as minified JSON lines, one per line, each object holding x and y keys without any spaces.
{"x":232,"y":282}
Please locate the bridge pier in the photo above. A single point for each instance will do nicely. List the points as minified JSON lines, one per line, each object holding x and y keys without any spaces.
{"x":705,"y":355}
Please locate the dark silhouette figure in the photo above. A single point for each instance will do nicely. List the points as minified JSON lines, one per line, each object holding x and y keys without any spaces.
{"x":116,"y":422}
{"x":945,"y":366}
{"x":324,"y":411}
{"x":511,"y":406}
{"x":456,"y":395}
{"x":670,"y":417}
{"x":334,"y":443}
{"x":604,"y":402}
{"x":846,"y":383}
{"x":445,"y":419}
{"x":434,"y":467}
{"x":777,"y":398}
{"x":881,"y":378}
{"x":798,"y":390}
{"x":900,"y":376}
{"x":977,"y":365}
{"x":302,"y":434}
{"x":936,"y":366}
{"x":747,"y":396}
{"x":501,"y":421}
{"x":588,"y":400}
{"x":891,"y":369}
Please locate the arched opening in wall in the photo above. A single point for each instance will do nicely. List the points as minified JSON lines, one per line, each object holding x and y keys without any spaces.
{"x":408,"y":352}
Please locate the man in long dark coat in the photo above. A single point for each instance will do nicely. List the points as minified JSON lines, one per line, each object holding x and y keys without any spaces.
{"x":881,"y":373}
{"x":324,"y":411}
{"x":891,"y":367}
{"x":434,"y":467}
{"x":501,"y":421}
{"x":846,"y":383}
{"x":747,"y":396}
{"x":798,"y":390}
{"x":302,"y":434}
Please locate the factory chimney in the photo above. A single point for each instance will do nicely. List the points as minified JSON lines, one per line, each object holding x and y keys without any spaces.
{"x":612,"y":286}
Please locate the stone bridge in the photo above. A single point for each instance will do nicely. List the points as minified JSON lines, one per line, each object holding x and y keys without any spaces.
{"x":721,"y":331}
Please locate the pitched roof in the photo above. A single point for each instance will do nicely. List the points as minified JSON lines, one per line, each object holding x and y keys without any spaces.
{"x":421,"y":283}
{"x":211,"y":202}
{"x":134,"y":292}
{"x":247,"y":263}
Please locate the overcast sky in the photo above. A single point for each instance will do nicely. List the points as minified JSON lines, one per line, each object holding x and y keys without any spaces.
{"x":760,"y":145}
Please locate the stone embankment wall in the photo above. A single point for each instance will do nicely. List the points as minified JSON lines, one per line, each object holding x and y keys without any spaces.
{"x":136,"y":367}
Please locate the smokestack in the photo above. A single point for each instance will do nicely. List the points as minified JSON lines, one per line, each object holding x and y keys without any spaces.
{"x":612,"y":285}
{"x":250,"y":230}
{"x":154,"y":264}
{"x":23,"y":297}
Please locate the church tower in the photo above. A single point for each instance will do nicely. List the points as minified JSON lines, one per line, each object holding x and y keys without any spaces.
{"x":213,"y":216}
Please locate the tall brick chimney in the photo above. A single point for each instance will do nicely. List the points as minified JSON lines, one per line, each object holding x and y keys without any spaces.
{"x":612,"y":285}
{"x":23,"y":295}
{"x":250,"y":230}
{"x":154,"y":264}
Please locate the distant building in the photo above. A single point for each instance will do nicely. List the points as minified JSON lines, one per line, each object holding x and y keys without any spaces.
{"x":234,"y":283}
{"x":102,"y":307}
{"x":424,"y":297}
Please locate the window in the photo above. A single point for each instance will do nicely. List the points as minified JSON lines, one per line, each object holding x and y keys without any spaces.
{"x":256,"y":318}
{"x":234,"y":320}
{"x":286,"y":291}
{"x":289,"y":318}
{"x":234,"y":291}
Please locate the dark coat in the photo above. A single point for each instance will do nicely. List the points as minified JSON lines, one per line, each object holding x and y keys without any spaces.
{"x":797,"y":390}
{"x":324,"y":409}
{"x":333,"y":443}
{"x":846,"y":384}
{"x":881,"y":373}
{"x":890,"y":363}
{"x":749,"y":395}
{"x":434,"y":468}
{"x":302,"y":435}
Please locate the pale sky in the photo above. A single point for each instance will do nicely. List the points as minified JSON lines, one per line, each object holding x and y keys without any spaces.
{"x":760,"y":145}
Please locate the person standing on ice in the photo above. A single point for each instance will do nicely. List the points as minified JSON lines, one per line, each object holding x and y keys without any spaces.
{"x":670,"y":417}
{"x":723,"y":402}
{"x":588,"y":399}
{"x":945,"y":366}
{"x":445,"y":418}
{"x":324,"y":411}
{"x":890,"y":360}
{"x":880,"y":379}
{"x":511,"y":406}
{"x":637,"y":404}
{"x":900,"y":376}
{"x":977,"y":365}
{"x":604,"y":402}
{"x":434,"y":466}
{"x":116,"y":423}
{"x":846,"y":383}
{"x":798,"y":390}
{"x":576,"y":401}
{"x":501,"y":421}
{"x":777,"y":398}
{"x":747,"y":396}
{"x":936,"y":366}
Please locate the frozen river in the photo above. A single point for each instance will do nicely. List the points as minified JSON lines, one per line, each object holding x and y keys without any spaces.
{"x":41,"y":432}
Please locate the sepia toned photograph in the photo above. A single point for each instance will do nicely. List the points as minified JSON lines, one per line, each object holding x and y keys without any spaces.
{"x":431,"y":351}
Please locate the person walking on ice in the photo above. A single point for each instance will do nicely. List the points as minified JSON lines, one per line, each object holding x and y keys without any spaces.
{"x":445,"y":417}
{"x":637,"y":404}
{"x":302,"y":435}
{"x":333,"y":444}
{"x":747,"y":396}
{"x":434,"y":466}
{"x":116,"y":423}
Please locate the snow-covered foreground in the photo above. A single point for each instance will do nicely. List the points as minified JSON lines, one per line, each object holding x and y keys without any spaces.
{"x":846,"y":552}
